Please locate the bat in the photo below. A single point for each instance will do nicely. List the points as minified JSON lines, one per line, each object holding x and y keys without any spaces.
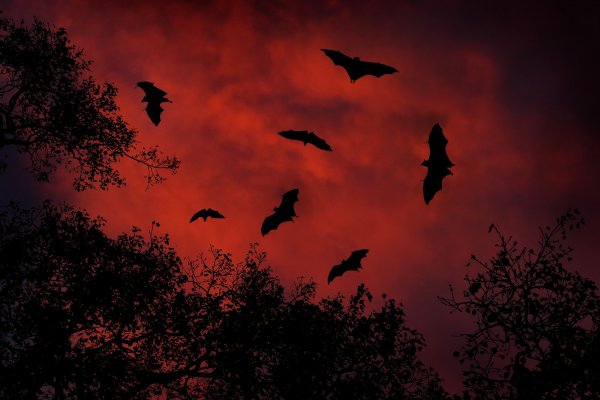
{"x":357,"y":69}
{"x":351,"y":264}
{"x":306,"y":137}
{"x":205,"y":213}
{"x":154,"y":97}
{"x":281,"y":214}
{"x":438,"y":164}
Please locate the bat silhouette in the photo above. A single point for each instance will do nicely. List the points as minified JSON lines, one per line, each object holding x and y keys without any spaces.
{"x":357,"y":69}
{"x":306,"y":137}
{"x":154,"y":97}
{"x":438,"y":164}
{"x":351,"y":264}
{"x":205,"y":213}
{"x":283,"y":213}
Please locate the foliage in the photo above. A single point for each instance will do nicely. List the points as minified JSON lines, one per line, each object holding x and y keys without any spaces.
{"x":537,"y":333}
{"x":87,"y":316}
{"x":56,"y":115}
{"x":278,"y":347}
{"x":82,"y":315}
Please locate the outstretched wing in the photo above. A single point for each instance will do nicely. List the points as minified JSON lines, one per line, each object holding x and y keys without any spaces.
{"x":214,"y":213}
{"x":318,"y":142}
{"x":351,"y":264}
{"x":153,"y":109}
{"x":150,"y":90}
{"x":336,"y":270}
{"x":294,"y":135}
{"x":200,"y":214}
{"x":285,"y":212}
{"x":356,"y":68}
{"x":338,"y":58}
{"x":372,"y":68}
{"x":355,"y":257}
{"x":205,"y":213}
{"x":437,"y":147}
{"x":272,"y":222}
{"x":286,"y":208}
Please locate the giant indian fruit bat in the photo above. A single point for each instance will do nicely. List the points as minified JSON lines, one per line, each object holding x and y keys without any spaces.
{"x":283,"y":213}
{"x":438,"y":164}
{"x":205,"y":213}
{"x":154,"y":97}
{"x":357,"y":68}
{"x":351,"y":264}
{"x":306,"y":137}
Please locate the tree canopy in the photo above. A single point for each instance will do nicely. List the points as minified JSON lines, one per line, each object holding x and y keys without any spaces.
{"x":538,"y":323}
{"x":88,"y":316}
{"x":53,"y":111}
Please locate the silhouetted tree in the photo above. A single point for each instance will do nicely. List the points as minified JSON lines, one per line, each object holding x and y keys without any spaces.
{"x":537,"y":333}
{"x":56,"y":115}
{"x":85,"y":316}
{"x":274,"y":346}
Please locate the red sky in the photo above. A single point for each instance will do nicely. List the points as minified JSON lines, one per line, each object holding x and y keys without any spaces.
{"x":514,"y":87}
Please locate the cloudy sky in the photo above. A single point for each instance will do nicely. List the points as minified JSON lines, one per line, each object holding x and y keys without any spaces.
{"x":515,"y":88}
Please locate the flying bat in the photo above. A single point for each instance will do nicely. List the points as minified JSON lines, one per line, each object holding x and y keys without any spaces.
{"x":438,"y":165}
{"x":205,"y":213}
{"x":283,"y":213}
{"x":351,"y":264}
{"x":356,"y":68}
{"x":306,"y":137}
{"x":154,"y":97}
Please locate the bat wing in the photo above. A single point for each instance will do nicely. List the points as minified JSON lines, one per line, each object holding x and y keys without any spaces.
{"x":433,"y":181}
{"x":286,"y":208}
{"x":272,"y":222}
{"x":285,"y":212}
{"x":356,"y":68}
{"x":294,"y":135}
{"x":351,"y":65}
{"x":200,"y":214}
{"x":153,"y":109}
{"x":437,"y":147}
{"x":372,"y":68}
{"x":214,"y":213}
{"x":336,"y":270}
{"x":150,"y":90}
{"x":318,"y":142}
{"x":351,"y":264}
{"x":338,"y":58}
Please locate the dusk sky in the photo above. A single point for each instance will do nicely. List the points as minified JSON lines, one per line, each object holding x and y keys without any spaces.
{"x":515,"y":88}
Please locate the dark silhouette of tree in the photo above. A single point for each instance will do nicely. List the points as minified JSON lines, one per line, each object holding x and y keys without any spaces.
{"x":84,"y":316}
{"x":55,"y":114}
{"x":290,"y":347}
{"x":537,"y":333}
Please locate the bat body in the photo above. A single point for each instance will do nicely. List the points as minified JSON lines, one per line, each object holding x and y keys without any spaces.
{"x":306,"y":137}
{"x":438,"y":165}
{"x":351,"y":264}
{"x":205,"y":213}
{"x":154,"y":97}
{"x":285,"y":212}
{"x":357,"y":68}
